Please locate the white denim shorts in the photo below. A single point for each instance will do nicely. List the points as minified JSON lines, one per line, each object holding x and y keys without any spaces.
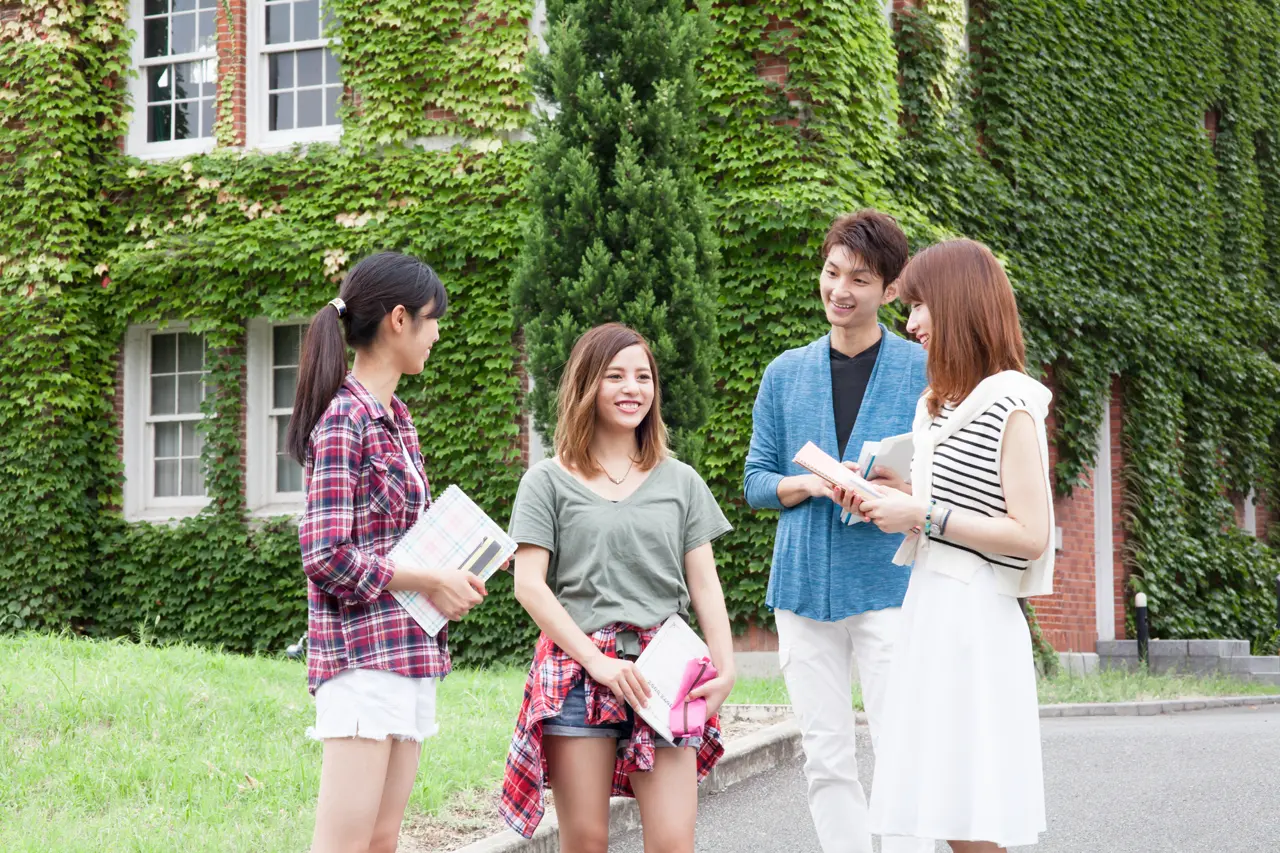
{"x":375,"y":704}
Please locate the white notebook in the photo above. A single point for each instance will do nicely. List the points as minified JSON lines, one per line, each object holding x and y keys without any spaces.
{"x":662,"y":663}
{"x":453,"y":533}
{"x":890,"y":454}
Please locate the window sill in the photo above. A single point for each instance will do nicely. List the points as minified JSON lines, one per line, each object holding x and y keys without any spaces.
{"x":166,"y":515}
{"x":292,"y":510}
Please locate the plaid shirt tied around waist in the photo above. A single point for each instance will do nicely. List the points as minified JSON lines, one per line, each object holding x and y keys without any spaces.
{"x":551,"y":677}
{"x":361,"y":499}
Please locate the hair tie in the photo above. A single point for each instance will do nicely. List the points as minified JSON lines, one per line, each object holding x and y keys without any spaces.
{"x":340,"y":305}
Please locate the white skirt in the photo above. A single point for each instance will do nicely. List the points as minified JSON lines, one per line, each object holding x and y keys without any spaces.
{"x":958,"y":756}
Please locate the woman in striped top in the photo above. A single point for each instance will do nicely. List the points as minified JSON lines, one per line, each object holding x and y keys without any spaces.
{"x":960,"y":756}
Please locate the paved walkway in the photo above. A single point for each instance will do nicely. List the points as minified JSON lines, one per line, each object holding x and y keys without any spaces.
{"x":1198,"y":782}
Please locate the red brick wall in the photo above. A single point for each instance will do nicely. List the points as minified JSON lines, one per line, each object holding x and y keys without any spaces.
{"x":1068,"y":617}
{"x":232,"y":53}
{"x":1119,"y":504}
{"x":756,"y":639}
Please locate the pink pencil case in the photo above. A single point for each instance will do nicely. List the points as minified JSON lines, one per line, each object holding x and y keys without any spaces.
{"x":689,"y":717}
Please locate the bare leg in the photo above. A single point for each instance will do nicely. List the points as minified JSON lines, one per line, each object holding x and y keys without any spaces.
{"x":402,"y":771}
{"x":976,"y":847}
{"x":581,"y":775}
{"x":353,"y":773}
{"x":668,"y":800}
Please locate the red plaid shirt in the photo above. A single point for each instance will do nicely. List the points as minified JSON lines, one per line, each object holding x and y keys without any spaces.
{"x":551,"y":677}
{"x":361,"y":498}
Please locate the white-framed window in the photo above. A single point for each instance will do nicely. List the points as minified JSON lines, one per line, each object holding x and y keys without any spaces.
{"x":294,"y":86}
{"x":175,"y":93}
{"x":165,"y":383}
{"x":274,"y":479}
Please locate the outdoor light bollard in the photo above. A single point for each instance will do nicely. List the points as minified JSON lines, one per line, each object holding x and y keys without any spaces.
{"x":1140,"y":621}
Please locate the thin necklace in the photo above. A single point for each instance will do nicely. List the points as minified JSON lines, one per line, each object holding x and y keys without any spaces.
{"x":618,"y":481}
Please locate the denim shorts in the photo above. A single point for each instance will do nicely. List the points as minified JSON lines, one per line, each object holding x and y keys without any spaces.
{"x":572,"y":722}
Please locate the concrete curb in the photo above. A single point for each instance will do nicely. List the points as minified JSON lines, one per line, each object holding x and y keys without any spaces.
{"x":1150,"y":709}
{"x":765,"y":749}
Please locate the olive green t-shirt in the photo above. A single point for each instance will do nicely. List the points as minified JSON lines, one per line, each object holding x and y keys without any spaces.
{"x":617,"y":561}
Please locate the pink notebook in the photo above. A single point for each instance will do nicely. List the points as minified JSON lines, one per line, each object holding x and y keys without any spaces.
{"x":813,"y":458}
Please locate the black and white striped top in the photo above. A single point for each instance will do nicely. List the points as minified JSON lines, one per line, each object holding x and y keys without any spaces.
{"x":966,"y":469}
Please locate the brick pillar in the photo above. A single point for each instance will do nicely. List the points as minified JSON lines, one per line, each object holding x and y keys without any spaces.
{"x":1119,"y":505}
{"x":1068,"y":617}
{"x":233,"y":47}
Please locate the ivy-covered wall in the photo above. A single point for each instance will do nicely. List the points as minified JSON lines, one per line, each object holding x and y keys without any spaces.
{"x":1122,"y":160}
{"x":1072,"y":139}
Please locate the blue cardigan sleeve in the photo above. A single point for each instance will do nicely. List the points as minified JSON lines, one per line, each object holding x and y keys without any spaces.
{"x":764,"y":463}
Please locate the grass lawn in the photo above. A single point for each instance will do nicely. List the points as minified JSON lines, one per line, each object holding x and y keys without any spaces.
{"x":112,"y":746}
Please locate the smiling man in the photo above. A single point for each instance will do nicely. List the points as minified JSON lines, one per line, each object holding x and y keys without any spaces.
{"x":834,"y":590}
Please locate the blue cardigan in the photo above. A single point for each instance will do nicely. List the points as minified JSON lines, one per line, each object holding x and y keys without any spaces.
{"x":824,"y":569}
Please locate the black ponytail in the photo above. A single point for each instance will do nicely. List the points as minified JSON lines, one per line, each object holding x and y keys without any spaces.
{"x":374,"y":287}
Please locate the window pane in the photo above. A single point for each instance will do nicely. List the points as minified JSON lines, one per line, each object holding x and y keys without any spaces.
{"x":185,"y":74}
{"x":164,"y":395}
{"x":158,"y":84}
{"x":192,"y":440}
{"x":155,"y":37}
{"x":288,"y":475}
{"x":288,"y":472}
{"x":280,"y":71}
{"x":306,"y":20}
{"x":182,"y":34}
{"x":163,"y":350}
{"x":281,"y":112}
{"x":206,"y":72}
{"x":208,"y":4}
{"x":330,"y":67}
{"x":155,"y":7}
{"x":184,"y":5}
{"x":284,"y":386}
{"x":167,"y":440}
{"x":190,"y":391}
{"x":332,"y":100}
{"x":190,"y":352}
{"x":311,"y":108}
{"x":160,"y":123}
{"x":285,"y":341}
{"x":278,"y":23}
{"x":310,"y":67}
{"x":167,"y":478}
{"x":186,"y":120}
{"x":329,"y":21}
{"x":206,"y":117}
{"x":192,"y":478}
{"x":208,"y":31}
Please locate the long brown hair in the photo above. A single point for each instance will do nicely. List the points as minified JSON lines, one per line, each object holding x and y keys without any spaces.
{"x":975,"y":332}
{"x":576,"y":406}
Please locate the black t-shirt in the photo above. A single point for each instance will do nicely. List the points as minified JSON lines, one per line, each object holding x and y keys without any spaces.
{"x":849,"y":378}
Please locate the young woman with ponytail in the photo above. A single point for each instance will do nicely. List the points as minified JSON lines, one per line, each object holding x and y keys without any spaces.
{"x":372,"y":669}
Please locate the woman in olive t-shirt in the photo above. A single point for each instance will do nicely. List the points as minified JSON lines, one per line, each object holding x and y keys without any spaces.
{"x":614,"y":537}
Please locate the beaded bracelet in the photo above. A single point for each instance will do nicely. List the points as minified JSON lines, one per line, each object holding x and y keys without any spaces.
{"x":928,"y":519}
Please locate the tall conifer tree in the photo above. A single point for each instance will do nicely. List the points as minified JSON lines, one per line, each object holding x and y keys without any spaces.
{"x":619,"y":227}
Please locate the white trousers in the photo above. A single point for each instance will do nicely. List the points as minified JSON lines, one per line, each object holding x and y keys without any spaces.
{"x":817,"y":664}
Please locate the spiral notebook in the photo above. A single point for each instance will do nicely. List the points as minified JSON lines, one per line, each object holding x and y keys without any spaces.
{"x":455,"y":534}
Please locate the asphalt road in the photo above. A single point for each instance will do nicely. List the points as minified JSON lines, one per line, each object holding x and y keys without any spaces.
{"x":1198,"y":782}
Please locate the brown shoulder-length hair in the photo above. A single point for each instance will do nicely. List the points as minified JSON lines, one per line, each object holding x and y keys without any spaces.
{"x":975,"y":331}
{"x":576,"y":407}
